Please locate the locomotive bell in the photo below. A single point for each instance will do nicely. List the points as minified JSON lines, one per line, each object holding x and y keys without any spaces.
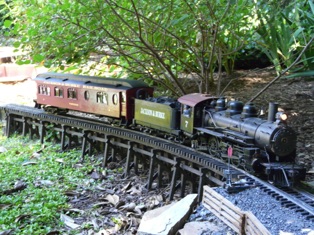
{"x":249,"y":110}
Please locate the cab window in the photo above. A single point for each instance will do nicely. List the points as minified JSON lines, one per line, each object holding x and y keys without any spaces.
{"x":187,"y":110}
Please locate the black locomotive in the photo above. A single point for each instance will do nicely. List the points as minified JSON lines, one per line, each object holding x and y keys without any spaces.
{"x":207,"y":123}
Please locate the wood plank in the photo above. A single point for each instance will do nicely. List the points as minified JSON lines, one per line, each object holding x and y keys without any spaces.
{"x":232,"y":215}
{"x":252,"y":223}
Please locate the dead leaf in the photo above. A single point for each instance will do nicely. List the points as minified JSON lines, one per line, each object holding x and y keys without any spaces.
{"x":46,"y":182}
{"x":134,"y":191}
{"x":76,"y":210}
{"x":103,"y":232}
{"x":36,"y":155}
{"x":78,"y":165}
{"x":59,"y":160}
{"x":21,"y":217}
{"x":128,"y":207}
{"x":96,"y":176}
{"x":95,"y":224}
{"x":6,"y":232}
{"x":101,"y":188}
{"x":29,"y":163}
{"x":100,"y":204}
{"x":154,"y":201}
{"x":126,"y":187}
{"x":68,"y":221}
{"x":113,"y":199}
{"x":71,"y":193}
{"x":53,"y":233}
{"x":4,"y":206}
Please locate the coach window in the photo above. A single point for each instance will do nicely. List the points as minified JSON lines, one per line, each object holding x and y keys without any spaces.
{"x":86,"y":95}
{"x":115,"y":99}
{"x":102,"y":97}
{"x":58,"y":92}
{"x":43,"y":90}
{"x":72,"y":93}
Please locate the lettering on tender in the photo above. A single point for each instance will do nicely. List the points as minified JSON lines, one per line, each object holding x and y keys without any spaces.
{"x":153,"y":113}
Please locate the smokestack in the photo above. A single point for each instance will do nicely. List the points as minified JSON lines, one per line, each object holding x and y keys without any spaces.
{"x":272,"y":110}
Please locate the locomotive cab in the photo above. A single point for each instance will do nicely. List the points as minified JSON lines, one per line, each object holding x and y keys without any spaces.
{"x":192,"y":106}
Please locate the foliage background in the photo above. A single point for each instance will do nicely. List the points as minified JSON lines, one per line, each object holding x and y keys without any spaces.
{"x":164,"y":42}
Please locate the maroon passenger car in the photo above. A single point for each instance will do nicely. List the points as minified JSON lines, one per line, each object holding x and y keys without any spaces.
{"x":101,"y":96}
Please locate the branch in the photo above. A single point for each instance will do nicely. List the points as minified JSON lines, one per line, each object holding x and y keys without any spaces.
{"x":284,"y":71}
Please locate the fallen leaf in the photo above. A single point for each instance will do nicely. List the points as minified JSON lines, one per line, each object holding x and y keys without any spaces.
{"x":95,"y":224}
{"x":59,"y":160}
{"x":113,"y":199}
{"x":100,"y":204}
{"x":76,"y":210}
{"x":71,"y":193}
{"x":126,"y":187}
{"x":68,"y":221}
{"x":29,"y":163}
{"x":19,"y":184}
{"x":36,"y":155}
{"x":101,"y":188}
{"x":6,"y":232}
{"x":46,"y":182}
{"x":21,"y":217}
{"x":128,"y":207}
{"x":53,"y":233}
{"x":134,"y":191}
{"x":4,"y":206}
{"x":95,"y":175}
{"x":103,"y":232}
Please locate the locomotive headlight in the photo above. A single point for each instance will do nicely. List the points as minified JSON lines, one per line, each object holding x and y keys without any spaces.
{"x":280,"y":116}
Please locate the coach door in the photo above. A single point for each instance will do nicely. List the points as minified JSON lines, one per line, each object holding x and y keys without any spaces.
{"x":123,"y":103}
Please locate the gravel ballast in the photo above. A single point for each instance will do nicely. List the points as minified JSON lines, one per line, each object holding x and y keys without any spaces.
{"x":269,"y":211}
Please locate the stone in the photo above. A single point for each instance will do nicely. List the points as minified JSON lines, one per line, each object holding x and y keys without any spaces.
{"x":167,"y":221}
{"x":198,"y":228}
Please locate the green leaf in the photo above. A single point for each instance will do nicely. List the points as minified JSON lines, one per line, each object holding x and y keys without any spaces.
{"x":301,"y":74}
{"x":38,"y":58}
{"x":7,"y":23}
{"x":16,"y":44}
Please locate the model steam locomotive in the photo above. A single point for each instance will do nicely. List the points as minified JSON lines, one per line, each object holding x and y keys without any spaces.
{"x":207,"y":123}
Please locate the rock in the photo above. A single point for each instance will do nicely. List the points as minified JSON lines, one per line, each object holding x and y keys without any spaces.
{"x":198,"y":228}
{"x":167,"y":220}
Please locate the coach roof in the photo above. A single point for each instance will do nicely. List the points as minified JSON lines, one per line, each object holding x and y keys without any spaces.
{"x":92,"y":79}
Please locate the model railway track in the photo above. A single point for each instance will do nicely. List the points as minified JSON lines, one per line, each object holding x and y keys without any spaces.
{"x":183,"y":163}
